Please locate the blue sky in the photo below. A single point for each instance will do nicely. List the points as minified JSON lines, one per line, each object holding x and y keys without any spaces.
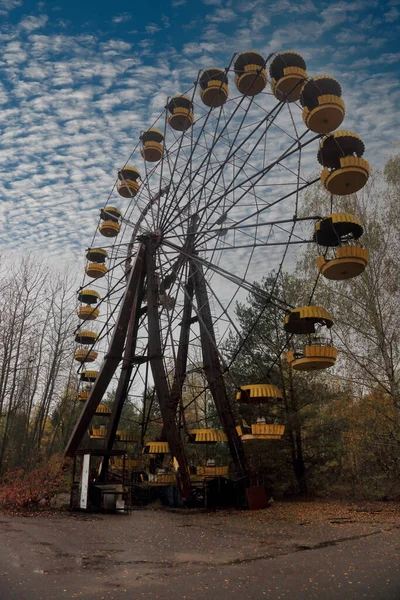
{"x":80,"y":80}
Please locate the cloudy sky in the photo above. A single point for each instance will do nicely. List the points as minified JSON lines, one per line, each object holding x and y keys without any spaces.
{"x":80,"y":80}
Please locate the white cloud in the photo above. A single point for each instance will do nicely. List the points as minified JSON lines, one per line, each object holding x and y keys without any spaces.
{"x":259,"y":20}
{"x":14,"y":53}
{"x":376,"y":42}
{"x":73,"y":108}
{"x":384,"y":59}
{"x":118,"y":46}
{"x":288,"y":6}
{"x":392,"y":15}
{"x":340,"y":12}
{"x":257,"y":7}
{"x":152,"y":28}
{"x":193,"y":48}
{"x":122,"y":18}
{"x":221,"y":15}
{"x":31,"y":23}
{"x":7,"y":5}
{"x":348,"y":36}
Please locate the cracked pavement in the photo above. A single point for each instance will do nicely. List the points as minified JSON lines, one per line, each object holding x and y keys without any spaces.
{"x":304,"y":550}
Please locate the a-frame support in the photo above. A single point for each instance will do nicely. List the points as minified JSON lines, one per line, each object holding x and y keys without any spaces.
{"x":167,"y":405}
{"x":169,"y":397}
{"x":112,"y":358}
{"x":127,"y":366}
{"x":213,"y":370}
{"x":183,"y":349}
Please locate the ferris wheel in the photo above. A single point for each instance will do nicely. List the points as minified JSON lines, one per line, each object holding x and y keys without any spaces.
{"x":206,"y":204}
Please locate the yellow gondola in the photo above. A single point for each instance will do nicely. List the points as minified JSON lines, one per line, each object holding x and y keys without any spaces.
{"x":130,"y":463}
{"x":345,"y":172}
{"x":85,"y":336}
{"x":304,"y":319}
{"x":102,"y":411}
{"x":313,"y":357}
{"x":96,"y":270}
{"x":287,"y":71}
{"x":214,"y":87}
{"x":88,"y":296}
{"x":82,"y":355}
{"x":110,"y":226}
{"x":156,"y":448}
{"x":347,"y":262}
{"x":109,"y":229}
{"x":110,"y":213}
{"x":181,"y":113}
{"x":129,"y":186}
{"x":263,"y":431}
{"x":336,"y":228}
{"x":260,"y":392}
{"x":98,"y":433}
{"x":87,"y":313}
{"x":83,"y":395}
{"x":125,"y":436}
{"x":323,"y":107}
{"x":89,"y":376}
{"x":206,"y":436}
{"x":344,"y":258}
{"x":211,"y":471}
{"x":97,"y":255}
{"x":250,"y":74}
{"x":152,"y":149}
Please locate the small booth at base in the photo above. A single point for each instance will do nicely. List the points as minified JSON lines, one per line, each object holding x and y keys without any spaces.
{"x":89,"y":491}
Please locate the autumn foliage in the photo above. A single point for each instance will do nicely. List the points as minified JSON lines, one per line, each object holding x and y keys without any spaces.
{"x":33,"y":488}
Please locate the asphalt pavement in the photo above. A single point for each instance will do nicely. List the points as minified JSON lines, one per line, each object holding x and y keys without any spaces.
{"x":298,"y":551}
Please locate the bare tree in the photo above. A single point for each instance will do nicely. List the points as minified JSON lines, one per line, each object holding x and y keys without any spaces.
{"x":36,"y":350}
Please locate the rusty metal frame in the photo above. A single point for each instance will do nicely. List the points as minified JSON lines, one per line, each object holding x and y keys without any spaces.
{"x":213,"y":370}
{"x":169,"y":396}
{"x":127,"y":365}
{"x":113,"y":356}
{"x":166,"y":402}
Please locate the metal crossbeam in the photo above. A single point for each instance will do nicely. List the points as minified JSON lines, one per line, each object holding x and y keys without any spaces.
{"x":112,"y":358}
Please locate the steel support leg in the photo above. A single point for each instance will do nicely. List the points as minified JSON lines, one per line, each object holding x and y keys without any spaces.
{"x":213,"y":370}
{"x":168,"y":410}
{"x":127,"y":367}
{"x":182,"y":355}
{"x":125,"y":375}
{"x":112,"y":358}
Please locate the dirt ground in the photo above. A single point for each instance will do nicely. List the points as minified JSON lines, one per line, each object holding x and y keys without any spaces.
{"x":301,"y":550}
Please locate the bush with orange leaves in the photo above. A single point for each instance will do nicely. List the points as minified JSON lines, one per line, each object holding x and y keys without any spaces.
{"x":33,"y":489}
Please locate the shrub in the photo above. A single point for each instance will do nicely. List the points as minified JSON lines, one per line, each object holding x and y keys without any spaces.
{"x":31,"y":489}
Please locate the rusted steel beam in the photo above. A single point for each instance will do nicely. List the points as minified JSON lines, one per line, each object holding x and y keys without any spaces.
{"x":112,"y":358}
{"x":167,"y":407}
{"x":127,"y":367}
{"x":181,"y":358}
{"x":213,"y":370}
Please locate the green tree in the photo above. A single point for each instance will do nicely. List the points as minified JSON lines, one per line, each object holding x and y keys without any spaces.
{"x":365,"y":309}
